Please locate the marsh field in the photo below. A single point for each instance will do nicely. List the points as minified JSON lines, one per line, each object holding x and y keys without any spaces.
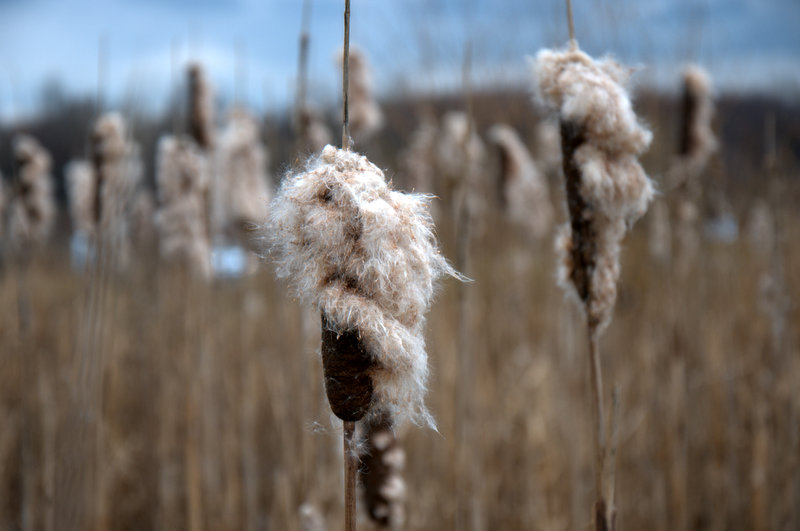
{"x":153,"y":399}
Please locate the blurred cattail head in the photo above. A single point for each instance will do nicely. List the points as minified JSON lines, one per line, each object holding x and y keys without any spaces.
{"x":523,"y":190}
{"x":381,"y":474}
{"x":460,"y":162}
{"x":315,"y":135}
{"x":117,"y":175}
{"x":417,"y":160}
{"x":547,"y":147}
{"x":366,"y":117}
{"x":244,"y":177}
{"x":182,"y":178}
{"x":459,"y":151}
{"x":32,"y":206}
{"x":201,"y":107}
{"x":698,"y":140}
{"x":366,"y":257}
{"x":607,"y":189}
{"x":81,"y":185}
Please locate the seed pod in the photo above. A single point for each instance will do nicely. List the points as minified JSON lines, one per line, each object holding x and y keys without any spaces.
{"x":201,"y":108}
{"x":346,"y":365}
{"x":365,"y":256}
{"x":381,"y":474}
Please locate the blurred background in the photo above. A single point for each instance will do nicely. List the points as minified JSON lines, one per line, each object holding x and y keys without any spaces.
{"x":155,"y":375}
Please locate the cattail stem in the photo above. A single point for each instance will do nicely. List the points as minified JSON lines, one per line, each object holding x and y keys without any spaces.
{"x":571,"y":24}
{"x":612,"y":455}
{"x":599,"y":439}
{"x":346,"y":78}
{"x":350,"y":470}
{"x":302,"y":70}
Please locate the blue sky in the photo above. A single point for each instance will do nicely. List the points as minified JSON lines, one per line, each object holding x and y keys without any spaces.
{"x":412,"y":44}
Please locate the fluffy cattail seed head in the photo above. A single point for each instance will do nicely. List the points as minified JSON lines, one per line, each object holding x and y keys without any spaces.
{"x":32,"y":206}
{"x":697,"y":142}
{"x":606,"y":188}
{"x":697,"y":138}
{"x":314,"y":134}
{"x":117,"y":175}
{"x":244,"y":177}
{"x":81,"y":185}
{"x":523,"y":189}
{"x":366,"y":117}
{"x":182,"y":178}
{"x":417,"y":160}
{"x":366,"y":257}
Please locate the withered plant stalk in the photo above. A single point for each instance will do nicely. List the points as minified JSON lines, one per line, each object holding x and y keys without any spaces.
{"x":349,"y":426}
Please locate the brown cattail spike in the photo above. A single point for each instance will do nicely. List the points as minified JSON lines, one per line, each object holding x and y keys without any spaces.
{"x":381,"y":469}
{"x":346,"y":364}
{"x":201,"y":102}
{"x":583,"y":248}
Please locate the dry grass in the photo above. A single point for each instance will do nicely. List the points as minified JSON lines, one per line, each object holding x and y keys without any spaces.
{"x":210,"y":412}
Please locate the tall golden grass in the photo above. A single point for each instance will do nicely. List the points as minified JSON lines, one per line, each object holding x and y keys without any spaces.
{"x":201,"y":406}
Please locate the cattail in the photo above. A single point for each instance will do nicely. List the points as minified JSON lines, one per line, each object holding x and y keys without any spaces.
{"x":182,"y":176}
{"x":460,"y":161}
{"x":32,"y":209}
{"x":697,"y":140}
{"x":117,"y":177}
{"x":381,"y":474}
{"x":82,"y":196}
{"x":366,"y":117}
{"x":459,"y":149}
{"x":606,"y":192}
{"x":244,"y":177}
{"x":366,"y":257}
{"x":314,"y":134}
{"x":201,"y":108}
{"x":607,"y":189}
{"x":417,"y":160}
{"x":523,"y":190}
{"x":547,"y":147}
{"x":696,"y":145}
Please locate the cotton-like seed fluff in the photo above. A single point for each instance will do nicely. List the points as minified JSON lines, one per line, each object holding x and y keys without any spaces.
{"x":523,"y":190}
{"x":607,"y":189}
{"x":698,"y":142}
{"x":32,"y":206}
{"x":366,"y":257}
